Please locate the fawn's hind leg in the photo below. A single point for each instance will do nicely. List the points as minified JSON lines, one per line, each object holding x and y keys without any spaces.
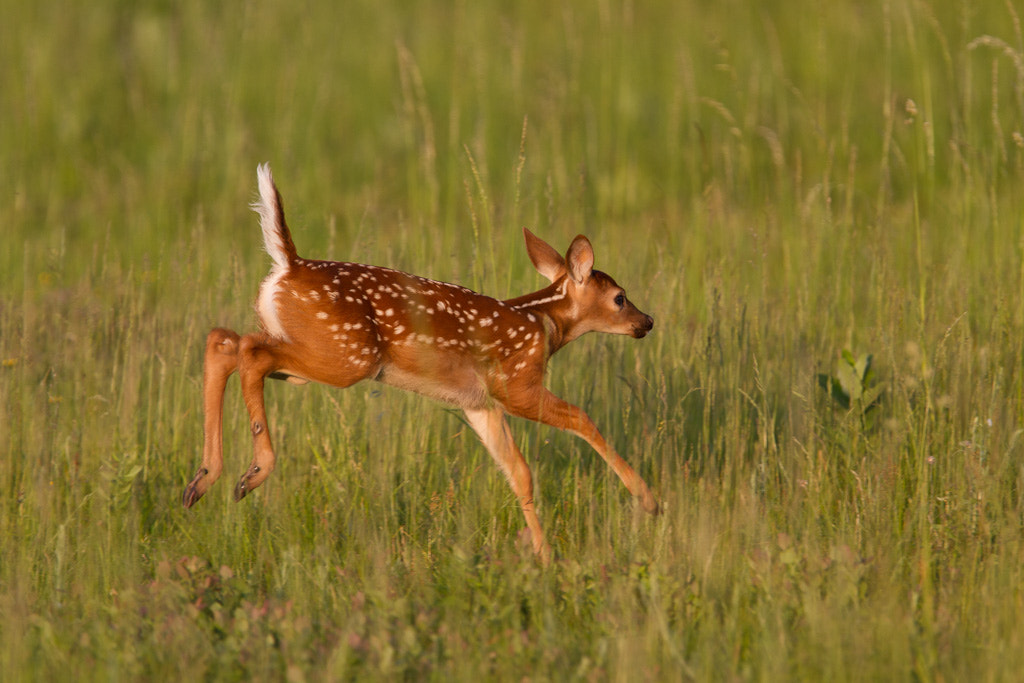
{"x":220,"y":360}
{"x":257,"y":358}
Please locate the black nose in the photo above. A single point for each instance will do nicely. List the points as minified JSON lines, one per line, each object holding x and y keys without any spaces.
{"x":643,"y":327}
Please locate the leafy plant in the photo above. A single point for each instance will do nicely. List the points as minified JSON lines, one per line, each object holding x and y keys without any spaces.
{"x":853,"y":385}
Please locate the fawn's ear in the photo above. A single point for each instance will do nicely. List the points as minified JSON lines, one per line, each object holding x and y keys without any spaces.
{"x":545,"y":259}
{"x":580,"y":259}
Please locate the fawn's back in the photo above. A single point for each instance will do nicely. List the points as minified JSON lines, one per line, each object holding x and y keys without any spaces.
{"x":355,"y":321}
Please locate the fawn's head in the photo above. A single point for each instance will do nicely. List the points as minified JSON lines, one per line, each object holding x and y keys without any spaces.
{"x":594,"y":302}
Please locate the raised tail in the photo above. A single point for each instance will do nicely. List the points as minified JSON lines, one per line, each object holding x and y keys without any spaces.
{"x":277,"y":238}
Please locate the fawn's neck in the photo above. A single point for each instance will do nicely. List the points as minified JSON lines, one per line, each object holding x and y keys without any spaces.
{"x":555,"y":308}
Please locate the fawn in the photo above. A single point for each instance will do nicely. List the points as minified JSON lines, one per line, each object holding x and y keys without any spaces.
{"x":339,"y":323}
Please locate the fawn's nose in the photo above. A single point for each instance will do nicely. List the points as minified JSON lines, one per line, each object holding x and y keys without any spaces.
{"x":645,"y":325}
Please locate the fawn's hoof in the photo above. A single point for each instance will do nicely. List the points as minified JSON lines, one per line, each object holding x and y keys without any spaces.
{"x":651,"y":506}
{"x":241,"y":488}
{"x":248,"y":482}
{"x":194,"y":491}
{"x":538,"y":546}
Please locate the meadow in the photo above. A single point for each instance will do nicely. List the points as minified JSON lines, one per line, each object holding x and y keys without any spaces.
{"x":789,"y":188}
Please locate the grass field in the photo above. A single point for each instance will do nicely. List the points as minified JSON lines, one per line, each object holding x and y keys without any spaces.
{"x":775,"y":182}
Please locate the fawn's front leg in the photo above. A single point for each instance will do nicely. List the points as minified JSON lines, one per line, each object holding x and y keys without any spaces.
{"x":492,"y":428}
{"x":543,"y":406}
{"x":256,"y":360}
{"x":219,"y":361}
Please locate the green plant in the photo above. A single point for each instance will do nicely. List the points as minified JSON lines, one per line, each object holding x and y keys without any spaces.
{"x":852,"y":384}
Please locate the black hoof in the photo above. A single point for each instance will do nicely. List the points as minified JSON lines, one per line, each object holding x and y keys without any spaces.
{"x":192,"y":494}
{"x":240,"y":490}
{"x":242,"y":487}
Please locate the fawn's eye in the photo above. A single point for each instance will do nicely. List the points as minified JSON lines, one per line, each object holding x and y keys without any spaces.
{"x":620,"y":299}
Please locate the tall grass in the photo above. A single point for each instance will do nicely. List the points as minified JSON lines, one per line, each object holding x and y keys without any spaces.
{"x":774,"y":182}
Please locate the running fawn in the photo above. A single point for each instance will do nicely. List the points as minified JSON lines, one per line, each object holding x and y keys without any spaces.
{"x":339,"y":323}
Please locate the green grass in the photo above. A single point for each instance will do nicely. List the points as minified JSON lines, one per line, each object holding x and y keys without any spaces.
{"x":773,"y":182}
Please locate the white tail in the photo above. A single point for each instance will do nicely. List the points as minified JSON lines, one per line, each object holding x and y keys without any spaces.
{"x":339,"y":323}
{"x":276,"y":238}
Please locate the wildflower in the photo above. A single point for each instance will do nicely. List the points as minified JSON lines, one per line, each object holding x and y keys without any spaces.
{"x":911,"y":109}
